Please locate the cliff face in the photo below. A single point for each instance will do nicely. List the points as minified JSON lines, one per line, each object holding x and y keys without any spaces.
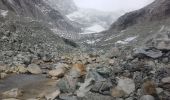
{"x":158,"y":10}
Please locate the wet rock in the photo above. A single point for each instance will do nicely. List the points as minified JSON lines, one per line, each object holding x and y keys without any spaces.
{"x":59,"y":72}
{"x":34,"y":69}
{"x":149,"y":52}
{"x":3,"y":75}
{"x":85,"y":87}
{"x":67,"y":97}
{"x":13,"y":93}
{"x":53,"y":95}
{"x":147,"y":97}
{"x":166,"y":80}
{"x":22,"y":69}
{"x":149,"y":88}
{"x":126,"y":84}
{"x":11,"y":99}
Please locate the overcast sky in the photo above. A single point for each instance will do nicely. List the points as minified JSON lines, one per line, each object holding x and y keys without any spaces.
{"x":112,"y":5}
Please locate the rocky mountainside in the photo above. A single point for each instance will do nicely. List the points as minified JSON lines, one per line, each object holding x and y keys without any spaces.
{"x":64,"y":6}
{"x":25,"y":31}
{"x":39,"y":10}
{"x":135,"y":27}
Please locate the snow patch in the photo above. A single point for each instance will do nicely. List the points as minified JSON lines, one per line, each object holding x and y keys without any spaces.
{"x":4,"y":13}
{"x":127,"y":40}
{"x":95,"y":28}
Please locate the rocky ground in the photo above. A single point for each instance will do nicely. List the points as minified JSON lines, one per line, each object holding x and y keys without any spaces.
{"x":123,"y":73}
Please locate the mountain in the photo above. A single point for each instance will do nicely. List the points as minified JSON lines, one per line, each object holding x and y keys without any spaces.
{"x":134,"y":28}
{"x":39,"y":10}
{"x":26,"y":31}
{"x":64,"y":6}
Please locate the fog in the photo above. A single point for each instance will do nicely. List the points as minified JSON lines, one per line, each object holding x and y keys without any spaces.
{"x":113,"y":5}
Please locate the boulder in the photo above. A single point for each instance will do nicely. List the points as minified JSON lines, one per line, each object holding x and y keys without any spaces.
{"x":34,"y":69}
{"x":13,"y":93}
{"x":53,"y":95}
{"x":85,"y":87}
{"x":166,"y":80}
{"x":149,"y":52}
{"x":126,"y":84}
{"x":59,"y":72}
{"x":147,"y":97}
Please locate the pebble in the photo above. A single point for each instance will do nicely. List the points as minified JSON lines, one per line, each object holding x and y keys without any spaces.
{"x":147,"y":97}
{"x":34,"y":69}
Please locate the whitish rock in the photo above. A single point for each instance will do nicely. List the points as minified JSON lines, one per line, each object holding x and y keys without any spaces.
{"x":3,"y":75}
{"x":57,"y":72}
{"x":111,"y":61}
{"x":13,"y":93}
{"x":147,"y":97}
{"x":159,"y":90}
{"x":62,"y":65}
{"x":53,"y":95}
{"x":166,"y":80}
{"x":22,"y":69}
{"x":85,"y":87}
{"x":127,"y":85}
{"x":3,"y":68}
{"x":34,"y":69}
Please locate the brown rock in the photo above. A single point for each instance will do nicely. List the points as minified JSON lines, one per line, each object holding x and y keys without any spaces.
{"x":149,"y":88}
{"x":80,"y":68}
{"x":117,"y":92}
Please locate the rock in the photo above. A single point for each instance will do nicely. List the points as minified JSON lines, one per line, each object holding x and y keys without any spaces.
{"x":10,"y":99}
{"x":159,"y":90}
{"x":80,"y":68}
{"x":13,"y":93}
{"x":126,"y":84}
{"x":32,"y":99}
{"x":3,"y":75}
{"x":166,"y":80}
{"x":67,"y":97}
{"x":147,"y":97}
{"x":117,"y":92}
{"x":22,"y":69}
{"x":53,"y":95}
{"x":62,"y":65}
{"x":111,"y":61}
{"x":59,"y":72}
{"x":85,"y":87}
{"x":3,"y":68}
{"x":34,"y":69}
{"x":149,"y":52}
{"x":149,"y":88}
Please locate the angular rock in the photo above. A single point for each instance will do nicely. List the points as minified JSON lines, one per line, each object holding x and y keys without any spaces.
{"x":149,"y":52}
{"x":13,"y":93}
{"x":34,"y":69}
{"x":85,"y":87}
{"x":126,"y":84}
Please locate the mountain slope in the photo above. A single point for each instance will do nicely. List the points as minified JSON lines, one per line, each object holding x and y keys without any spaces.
{"x":39,"y":10}
{"x":142,"y":23}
